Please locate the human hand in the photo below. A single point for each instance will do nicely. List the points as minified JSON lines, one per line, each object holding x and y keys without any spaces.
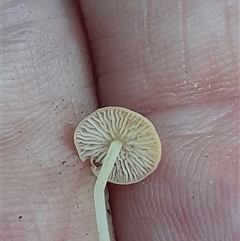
{"x":178,"y":65}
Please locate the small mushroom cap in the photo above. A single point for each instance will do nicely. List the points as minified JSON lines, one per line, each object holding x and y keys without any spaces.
{"x":141,"y":147}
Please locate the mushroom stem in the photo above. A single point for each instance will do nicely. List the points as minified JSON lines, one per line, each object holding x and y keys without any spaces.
{"x":99,"y":195}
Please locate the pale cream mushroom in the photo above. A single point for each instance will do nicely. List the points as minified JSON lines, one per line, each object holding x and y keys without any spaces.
{"x":123,"y":148}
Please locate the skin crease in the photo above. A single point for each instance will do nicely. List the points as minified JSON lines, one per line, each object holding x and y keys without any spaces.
{"x":174,"y":62}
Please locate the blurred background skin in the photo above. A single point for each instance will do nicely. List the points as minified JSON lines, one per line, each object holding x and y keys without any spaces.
{"x":176,"y":62}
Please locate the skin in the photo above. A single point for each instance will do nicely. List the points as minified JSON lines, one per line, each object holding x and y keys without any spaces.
{"x":175,"y":62}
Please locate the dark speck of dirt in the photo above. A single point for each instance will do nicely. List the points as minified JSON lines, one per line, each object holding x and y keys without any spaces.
{"x":60,"y":173}
{"x":68,"y":133}
{"x":63,"y":162}
{"x":186,"y":71}
{"x":193,"y":196}
{"x":20,"y":217}
{"x":70,"y":53}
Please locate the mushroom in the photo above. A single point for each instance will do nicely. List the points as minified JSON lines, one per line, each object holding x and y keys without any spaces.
{"x":123,"y":148}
